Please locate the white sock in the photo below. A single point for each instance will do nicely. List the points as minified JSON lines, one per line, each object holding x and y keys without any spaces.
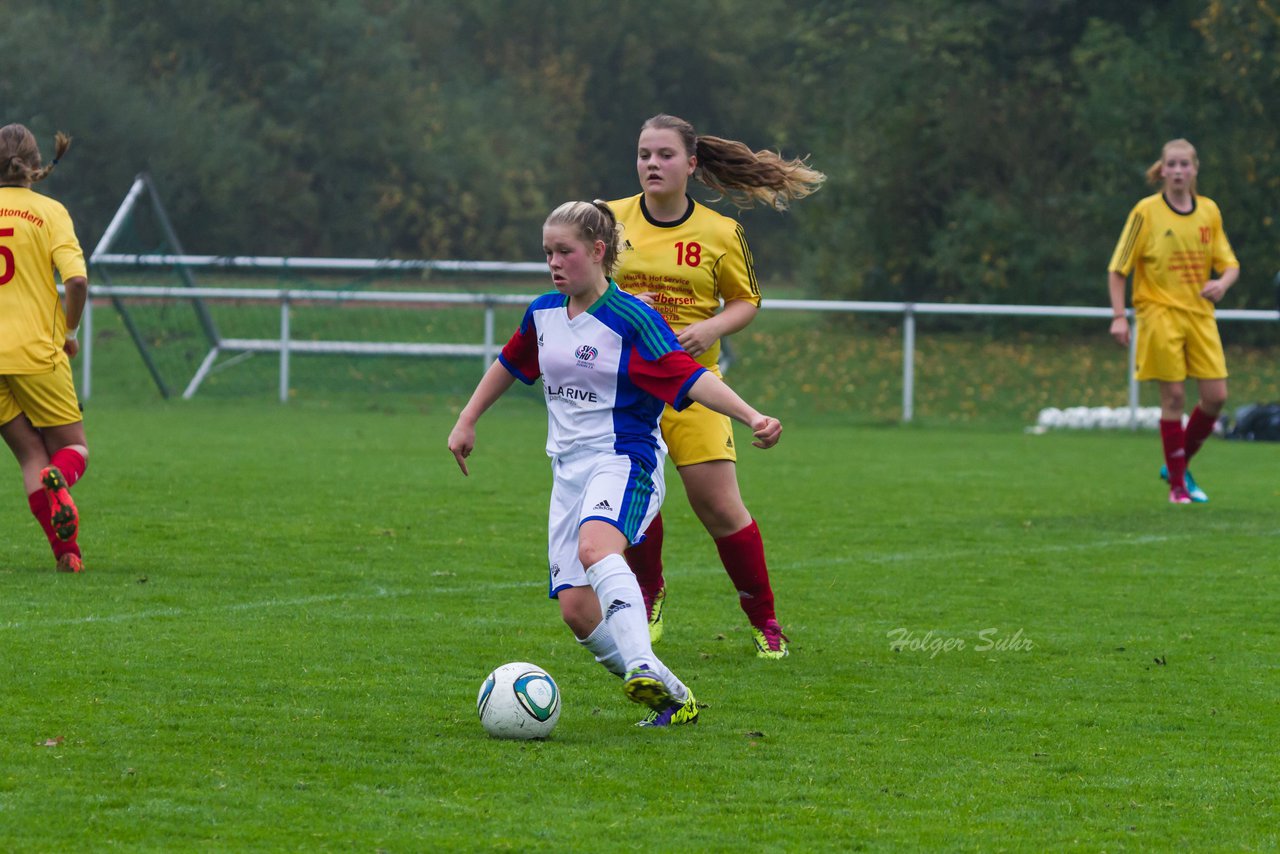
{"x":626,"y":622}
{"x":600,"y":644}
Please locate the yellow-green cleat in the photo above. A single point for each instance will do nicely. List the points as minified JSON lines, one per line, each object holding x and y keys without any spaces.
{"x":676,"y":714}
{"x":642,"y":685}
{"x":655,"y":615}
{"x":770,"y":641}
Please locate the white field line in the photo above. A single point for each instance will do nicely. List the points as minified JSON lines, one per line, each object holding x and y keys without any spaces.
{"x":985,"y":550}
{"x":378,"y":593}
{"x":382,"y":593}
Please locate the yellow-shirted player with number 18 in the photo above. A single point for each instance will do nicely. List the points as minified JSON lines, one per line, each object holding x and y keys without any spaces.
{"x":685,"y":259}
{"x":1172,"y":243}
{"x":39,"y":413}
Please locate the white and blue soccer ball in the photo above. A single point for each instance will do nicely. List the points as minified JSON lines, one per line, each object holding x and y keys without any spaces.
{"x":519,"y":700}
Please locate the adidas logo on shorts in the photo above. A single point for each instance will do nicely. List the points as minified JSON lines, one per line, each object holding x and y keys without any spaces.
{"x":603,"y":505}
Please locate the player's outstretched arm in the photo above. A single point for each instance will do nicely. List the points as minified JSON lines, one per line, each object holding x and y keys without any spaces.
{"x":713,"y":393}
{"x":462,"y":439}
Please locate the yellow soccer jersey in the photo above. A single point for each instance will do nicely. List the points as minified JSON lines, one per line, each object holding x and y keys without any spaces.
{"x":689,"y":265}
{"x":34,"y":231}
{"x":1172,"y":254}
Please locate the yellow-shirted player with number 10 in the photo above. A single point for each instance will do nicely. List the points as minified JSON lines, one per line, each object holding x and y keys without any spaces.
{"x":1172,"y":243}
{"x":39,"y":413}
{"x":686,"y":259}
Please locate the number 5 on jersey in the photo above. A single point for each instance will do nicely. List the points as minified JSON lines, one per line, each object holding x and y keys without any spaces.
{"x":7,"y":266}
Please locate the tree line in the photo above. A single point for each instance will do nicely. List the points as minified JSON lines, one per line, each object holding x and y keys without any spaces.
{"x":977,"y":150}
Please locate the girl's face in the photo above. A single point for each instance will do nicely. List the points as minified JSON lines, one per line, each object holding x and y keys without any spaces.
{"x":662,"y":163}
{"x":1178,"y":169}
{"x":575,"y":264}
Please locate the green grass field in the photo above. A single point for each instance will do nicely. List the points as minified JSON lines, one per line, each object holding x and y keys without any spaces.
{"x":288,"y":612}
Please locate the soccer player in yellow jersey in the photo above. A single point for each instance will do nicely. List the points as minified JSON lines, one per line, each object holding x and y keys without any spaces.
{"x":685,"y":260}
{"x":39,"y":413}
{"x":1173,"y":243}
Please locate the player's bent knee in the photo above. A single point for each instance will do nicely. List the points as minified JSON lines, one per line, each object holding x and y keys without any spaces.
{"x":580,"y":610}
{"x":1212,"y":404}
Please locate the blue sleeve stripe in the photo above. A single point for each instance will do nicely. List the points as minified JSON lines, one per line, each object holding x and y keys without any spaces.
{"x":683,"y":396}
{"x":515,"y":372}
{"x":647,"y":325}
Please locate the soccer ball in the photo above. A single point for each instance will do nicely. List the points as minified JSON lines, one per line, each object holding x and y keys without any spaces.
{"x":519,"y":700}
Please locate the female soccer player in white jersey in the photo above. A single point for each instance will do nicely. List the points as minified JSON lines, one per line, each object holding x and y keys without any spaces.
{"x":1173,"y":242}
{"x":39,"y":413}
{"x":608,"y":362}
{"x":685,"y":258}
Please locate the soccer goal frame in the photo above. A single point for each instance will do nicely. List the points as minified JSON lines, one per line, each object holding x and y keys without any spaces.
{"x":103,"y":260}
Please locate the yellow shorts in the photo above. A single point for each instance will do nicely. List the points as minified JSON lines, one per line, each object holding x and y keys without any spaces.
{"x":697,"y":434}
{"x":48,"y":399}
{"x":1174,"y":344}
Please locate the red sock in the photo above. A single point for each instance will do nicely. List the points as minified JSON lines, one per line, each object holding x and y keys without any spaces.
{"x":1175,"y":454}
{"x":39,"y":504}
{"x":645,"y":561}
{"x":70,"y":463}
{"x":743,"y":557}
{"x":1199,"y":428}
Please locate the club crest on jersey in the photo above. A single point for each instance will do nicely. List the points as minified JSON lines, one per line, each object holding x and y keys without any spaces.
{"x":586,"y":356}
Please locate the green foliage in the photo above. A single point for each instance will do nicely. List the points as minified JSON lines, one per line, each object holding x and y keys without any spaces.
{"x":981,"y":150}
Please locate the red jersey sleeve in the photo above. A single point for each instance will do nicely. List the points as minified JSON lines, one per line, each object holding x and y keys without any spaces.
{"x":668,"y":378}
{"x":520,"y":355}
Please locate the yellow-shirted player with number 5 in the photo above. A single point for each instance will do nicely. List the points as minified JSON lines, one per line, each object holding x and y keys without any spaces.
{"x":1172,"y":243}
{"x":685,"y":259}
{"x":39,"y":413}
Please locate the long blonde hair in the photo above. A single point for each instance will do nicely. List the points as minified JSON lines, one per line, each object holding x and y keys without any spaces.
{"x":593,"y":221}
{"x":20,"y":155}
{"x":736,"y":172}
{"x":1155,"y":172}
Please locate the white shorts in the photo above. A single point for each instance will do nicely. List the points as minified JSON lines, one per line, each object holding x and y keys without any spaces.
{"x":591,"y":485}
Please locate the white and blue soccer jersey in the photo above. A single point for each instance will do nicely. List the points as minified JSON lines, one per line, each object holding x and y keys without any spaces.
{"x":606,"y":373}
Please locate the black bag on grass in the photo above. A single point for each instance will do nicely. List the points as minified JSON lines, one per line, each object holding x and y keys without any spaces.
{"x":1259,"y":423}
